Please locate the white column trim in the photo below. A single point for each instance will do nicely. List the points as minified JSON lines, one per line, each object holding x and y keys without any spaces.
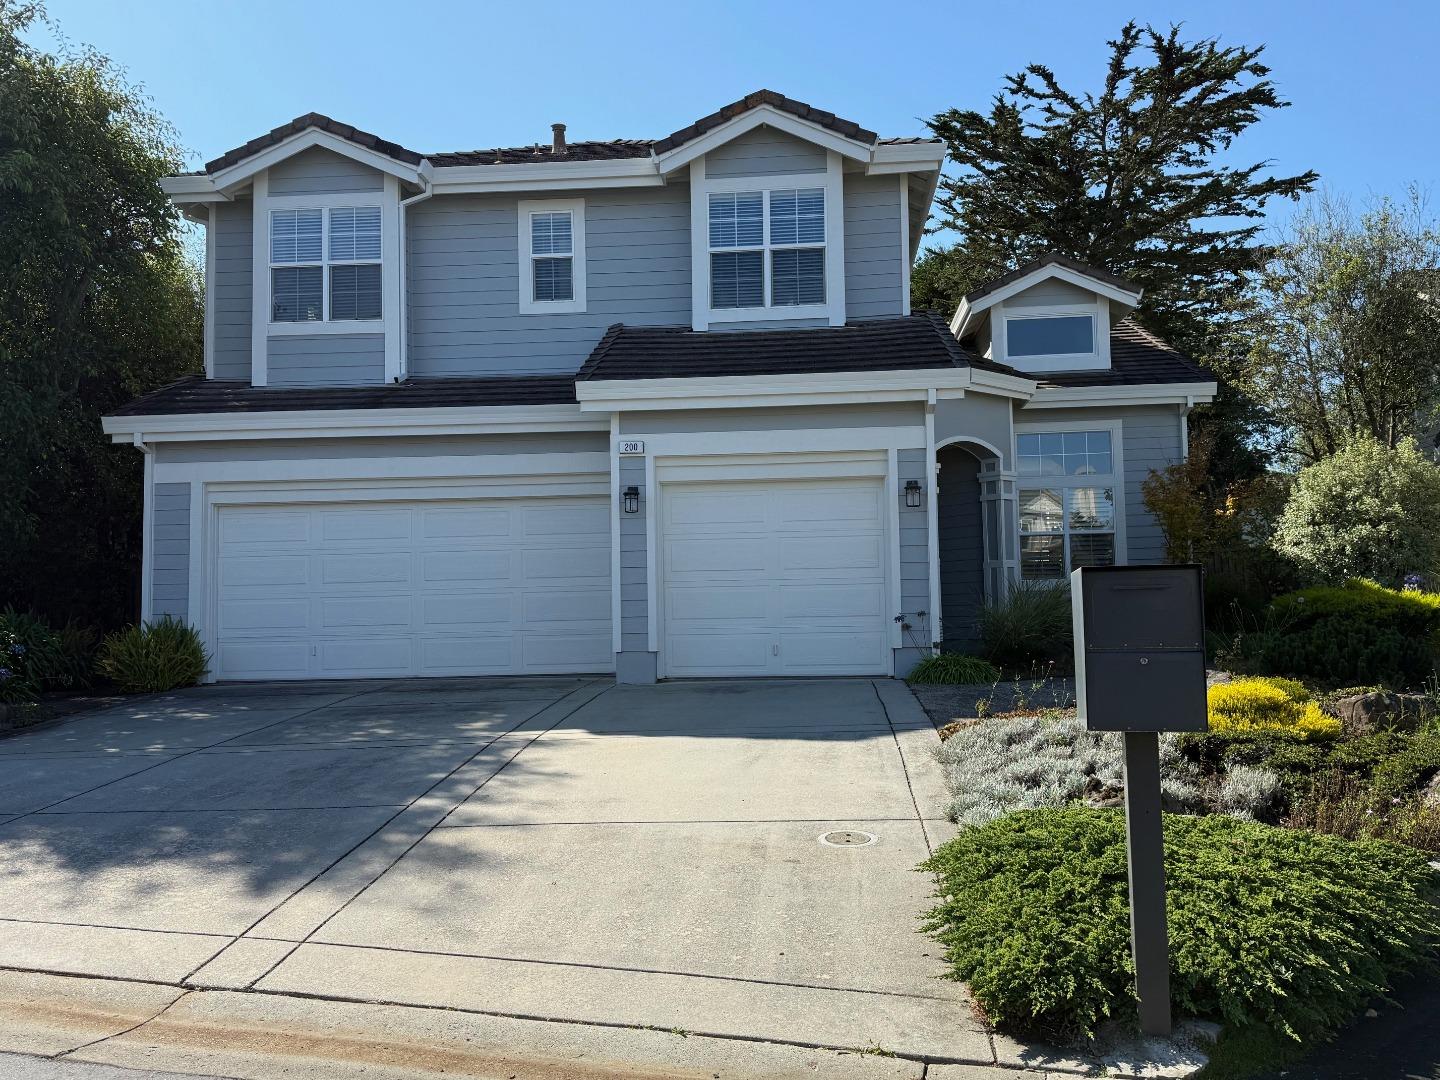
{"x":650,"y":501}
{"x":699,"y":252}
{"x":616,"y":593}
{"x":195,"y":569}
{"x":892,"y":529}
{"x":904,"y":243}
{"x":392,"y":298}
{"x":211,"y":225}
{"x":147,"y":535}
{"x":932,"y":493}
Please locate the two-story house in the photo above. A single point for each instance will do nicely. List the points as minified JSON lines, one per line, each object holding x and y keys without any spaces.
{"x":656,"y":407}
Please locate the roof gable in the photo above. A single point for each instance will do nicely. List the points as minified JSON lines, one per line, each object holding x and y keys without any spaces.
{"x":796,"y":118}
{"x":1050,"y":266}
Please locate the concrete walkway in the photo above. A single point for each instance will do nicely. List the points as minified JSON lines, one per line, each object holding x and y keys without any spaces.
{"x":559,"y":874}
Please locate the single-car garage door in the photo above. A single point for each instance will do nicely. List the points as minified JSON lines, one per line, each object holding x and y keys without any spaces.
{"x":435,"y":587}
{"x":772,"y":577}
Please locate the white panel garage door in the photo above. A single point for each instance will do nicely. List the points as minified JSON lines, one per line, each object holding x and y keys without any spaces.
{"x":500,"y":586}
{"x":775,"y":578}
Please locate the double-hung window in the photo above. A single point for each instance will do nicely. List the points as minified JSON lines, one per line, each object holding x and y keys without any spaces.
{"x":767,"y":248}
{"x":325,"y":265}
{"x":1067,"y":488}
{"x":552,"y":256}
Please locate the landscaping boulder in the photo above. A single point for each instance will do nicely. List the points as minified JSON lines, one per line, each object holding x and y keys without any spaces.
{"x":1432,"y":792}
{"x":1363,"y":714}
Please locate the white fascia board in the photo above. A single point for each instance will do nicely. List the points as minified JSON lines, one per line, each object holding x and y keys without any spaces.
{"x":192,"y":189}
{"x":762,"y":390}
{"x":340,"y":423}
{"x":1064,"y":397}
{"x":995,"y":382}
{"x":906,"y":157}
{"x":304,"y":140}
{"x":736,"y":126}
{"x":546,"y":176}
{"x":967,"y":314}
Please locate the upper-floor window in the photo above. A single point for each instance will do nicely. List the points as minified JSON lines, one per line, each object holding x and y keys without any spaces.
{"x":325,"y":265}
{"x":1049,"y":335}
{"x":552,"y":256}
{"x":1067,"y":502}
{"x":767,"y":248}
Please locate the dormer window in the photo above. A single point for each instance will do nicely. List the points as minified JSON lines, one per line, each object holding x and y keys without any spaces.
{"x":782,"y":229}
{"x":1049,"y":335}
{"x":325,"y":264}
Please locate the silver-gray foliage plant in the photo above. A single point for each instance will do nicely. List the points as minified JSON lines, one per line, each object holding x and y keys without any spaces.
{"x":998,"y":766}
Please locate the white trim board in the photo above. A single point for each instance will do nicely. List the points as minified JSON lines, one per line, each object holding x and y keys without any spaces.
{"x":528,"y":305}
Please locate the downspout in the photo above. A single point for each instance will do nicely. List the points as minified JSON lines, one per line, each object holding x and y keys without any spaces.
{"x":426,"y":180}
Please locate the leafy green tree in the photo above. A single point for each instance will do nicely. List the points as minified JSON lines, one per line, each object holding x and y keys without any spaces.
{"x":1367,"y":511}
{"x":1346,"y":341}
{"x":98,"y":303}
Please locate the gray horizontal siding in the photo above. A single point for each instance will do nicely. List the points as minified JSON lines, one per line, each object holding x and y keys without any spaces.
{"x":383,"y":447}
{"x":914,"y":542}
{"x":1151,"y":441}
{"x":464,"y":290}
{"x":634,"y":582}
{"x":785,"y":418}
{"x":327,"y":360}
{"x":873,"y":251}
{"x":232,"y":289}
{"x":170,"y":555}
{"x":317,"y":171}
{"x":765,"y":151}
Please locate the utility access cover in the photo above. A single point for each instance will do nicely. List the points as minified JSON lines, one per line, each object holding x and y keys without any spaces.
{"x":847,"y":838}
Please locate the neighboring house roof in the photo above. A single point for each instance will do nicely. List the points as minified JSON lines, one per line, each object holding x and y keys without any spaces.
{"x":1050,"y":259}
{"x":798,"y":109}
{"x":677,"y":352}
{"x":196,"y":394}
{"x":599,"y":150}
{"x":1136,"y":356}
{"x":324,"y":123}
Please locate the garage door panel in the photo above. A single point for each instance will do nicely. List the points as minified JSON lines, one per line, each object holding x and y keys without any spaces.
{"x":584,"y":606}
{"x":440,"y":524}
{"x":363,"y":611}
{"x":264,"y":614}
{"x":271,"y":570}
{"x":775,"y":577}
{"x":831,"y":553}
{"x":368,"y":523}
{"x":849,"y":602}
{"x":716,"y":604}
{"x":414,"y":588}
{"x":553,"y":565}
{"x":468,"y":609}
{"x":366,"y":569}
{"x":439,"y":567}
{"x":717,"y":556}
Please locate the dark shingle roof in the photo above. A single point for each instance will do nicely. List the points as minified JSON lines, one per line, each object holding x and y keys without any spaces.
{"x":324,"y":123}
{"x":605,"y":150}
{"x":828,"y":120}
{"x":1136,"y":356}
{"x":1051,"y":259}
{"x":196,"y":394}
{"x":677,"y":352}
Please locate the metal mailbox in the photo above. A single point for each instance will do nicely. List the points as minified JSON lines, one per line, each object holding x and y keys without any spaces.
{"x":1139,"y":647}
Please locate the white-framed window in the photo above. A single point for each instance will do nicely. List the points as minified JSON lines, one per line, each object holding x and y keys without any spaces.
{"x":1068,"y":487}
{"x":552,"y":256}
{"x":326,"y":265}
{"x":1070,"y":334}
{"x":767,"y":248}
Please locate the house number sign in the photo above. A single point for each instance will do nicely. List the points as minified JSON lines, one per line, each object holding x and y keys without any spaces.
{"x":632,"y":446}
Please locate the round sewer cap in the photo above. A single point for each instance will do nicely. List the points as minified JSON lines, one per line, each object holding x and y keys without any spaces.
{"x":847,"y":838}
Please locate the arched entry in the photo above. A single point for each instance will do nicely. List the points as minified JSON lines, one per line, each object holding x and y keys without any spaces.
{"x":976,"y":536}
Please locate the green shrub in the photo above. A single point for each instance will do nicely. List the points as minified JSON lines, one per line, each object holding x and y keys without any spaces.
{"x":154,"y":657}
{"x":953,"y":669}
{"x":1366,"y":511}
{"x":1277,"y":928}
{"x":47,"y":659}
{"x":1031,"y":623}
{"x":1409,"y":611}
{"x":1409,"y":768}
{"x":1338,"y":650}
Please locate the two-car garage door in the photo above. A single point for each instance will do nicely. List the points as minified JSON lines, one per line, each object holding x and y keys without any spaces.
{"x":433,"y":587}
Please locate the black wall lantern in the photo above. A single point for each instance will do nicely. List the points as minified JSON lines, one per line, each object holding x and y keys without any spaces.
{"x":632,"y":500}
{"x":912,"y":494}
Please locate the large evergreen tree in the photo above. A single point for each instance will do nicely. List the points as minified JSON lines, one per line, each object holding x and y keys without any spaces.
{"x":1134,"y":178}
{"x":97,"y":304}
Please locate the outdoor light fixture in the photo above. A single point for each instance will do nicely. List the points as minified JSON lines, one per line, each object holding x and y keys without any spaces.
{"x":912,"y":494}
{"x":632,"y":500}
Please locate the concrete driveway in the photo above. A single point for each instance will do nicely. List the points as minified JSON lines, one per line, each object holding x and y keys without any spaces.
{"x":556,"y":850}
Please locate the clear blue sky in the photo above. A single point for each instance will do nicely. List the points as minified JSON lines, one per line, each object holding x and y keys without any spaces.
{"x":454,"y":75}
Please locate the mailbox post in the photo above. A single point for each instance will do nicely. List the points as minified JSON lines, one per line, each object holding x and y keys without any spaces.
{"x":1140,"y":670}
